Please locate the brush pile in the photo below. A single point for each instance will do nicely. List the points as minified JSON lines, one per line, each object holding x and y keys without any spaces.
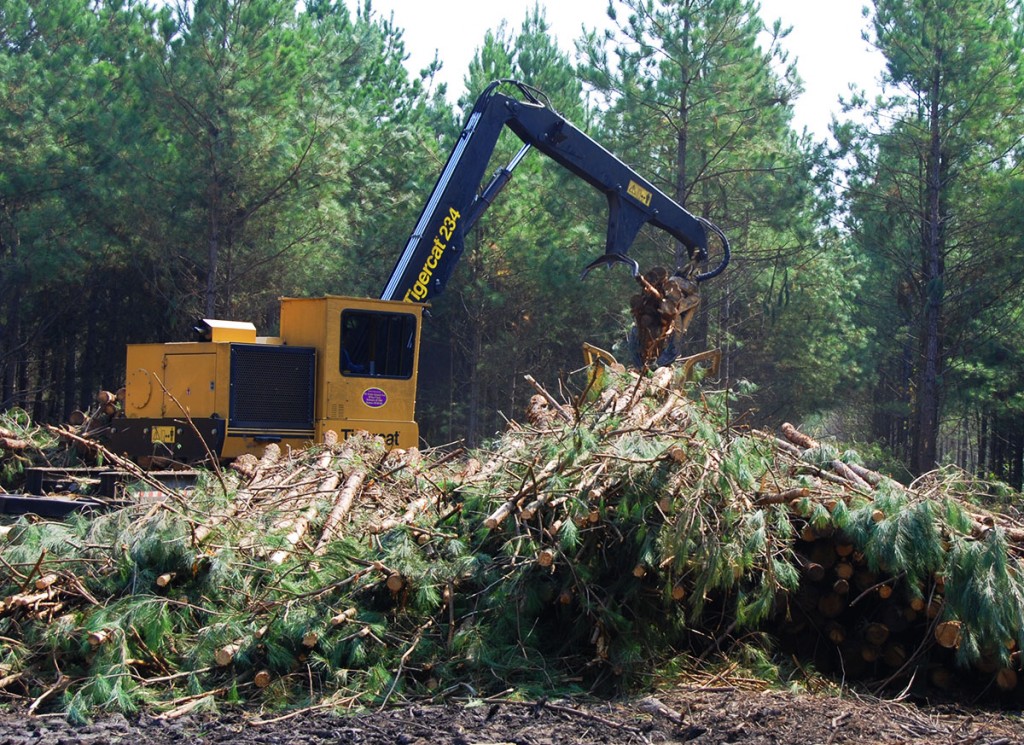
{"x":24,"y":445}
{"x":579,"y":551}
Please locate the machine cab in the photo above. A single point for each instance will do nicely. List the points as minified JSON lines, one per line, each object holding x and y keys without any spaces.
{"x":367,"y":363}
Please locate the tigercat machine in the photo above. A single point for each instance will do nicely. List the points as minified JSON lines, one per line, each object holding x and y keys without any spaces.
{"x":349,"y":364}
{"x":340,"y":363}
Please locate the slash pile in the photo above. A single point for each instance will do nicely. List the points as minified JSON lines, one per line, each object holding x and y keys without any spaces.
{"x":24,"y":445}
{"x":581,"y":549}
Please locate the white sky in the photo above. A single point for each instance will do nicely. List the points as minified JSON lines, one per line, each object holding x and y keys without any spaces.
{"x":825,"y":42}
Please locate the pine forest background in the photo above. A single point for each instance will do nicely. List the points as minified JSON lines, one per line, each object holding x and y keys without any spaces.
{"x":205,"y":157}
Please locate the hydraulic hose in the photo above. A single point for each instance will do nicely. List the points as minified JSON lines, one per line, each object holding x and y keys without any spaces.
{"x":726,"y":253}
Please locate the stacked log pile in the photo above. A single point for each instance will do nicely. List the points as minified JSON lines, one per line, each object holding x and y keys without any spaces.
{"x":894,"y":592}
{"x":600,"y":537}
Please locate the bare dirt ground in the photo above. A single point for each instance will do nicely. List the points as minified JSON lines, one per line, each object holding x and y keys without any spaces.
{"x":681,"y":716}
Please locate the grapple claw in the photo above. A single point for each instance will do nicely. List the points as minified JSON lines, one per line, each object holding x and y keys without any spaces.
{"x":608,"y":260}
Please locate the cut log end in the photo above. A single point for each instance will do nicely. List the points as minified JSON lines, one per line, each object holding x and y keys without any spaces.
{"x":99,"y":638}
{"x":46,"y":581}
{"x":395,"y":582}
{"x":876,"y":634}
{"x":894,"y":656}
{"x":831,"y":605}
{"x":814,"y":571}
{"x":836,"y":633}
{"x":226,"y":654}
{"x":165,"y":579}
{"x":948,"y":634}
{"x":106,"y":397}
{"x":1006,"y":679}
{"x":344,"y":617}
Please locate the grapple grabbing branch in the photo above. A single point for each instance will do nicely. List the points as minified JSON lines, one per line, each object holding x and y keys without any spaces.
{"x":662,"y":312}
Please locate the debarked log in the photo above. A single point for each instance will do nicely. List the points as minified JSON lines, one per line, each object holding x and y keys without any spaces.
{"x":341,"y":508}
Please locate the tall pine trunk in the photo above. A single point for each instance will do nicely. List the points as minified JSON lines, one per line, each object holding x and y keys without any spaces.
{"x":1017,"y":465}
{"x":9,"y":342}
{"x":983,"y":435}
{"x":927,"y":410}
{"x":474,"y":425}
{"x":696,"y":340}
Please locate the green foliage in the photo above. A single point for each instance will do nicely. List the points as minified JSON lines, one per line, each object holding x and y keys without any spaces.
{"x":985,"y":590}
{"x":907,"y":537}
{"x":925,"y":166}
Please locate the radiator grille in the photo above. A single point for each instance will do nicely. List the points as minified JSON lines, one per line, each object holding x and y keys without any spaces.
{"x":272,"y":388}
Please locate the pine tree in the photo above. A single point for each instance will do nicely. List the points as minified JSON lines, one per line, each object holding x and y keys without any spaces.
{"x":705,"y":111}
{"x":944,"y":140}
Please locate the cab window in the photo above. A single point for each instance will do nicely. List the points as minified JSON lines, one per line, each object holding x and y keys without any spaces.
{"x":376,"y":344}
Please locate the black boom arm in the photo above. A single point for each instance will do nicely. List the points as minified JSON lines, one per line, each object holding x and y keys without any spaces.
{"x":437,"y":242}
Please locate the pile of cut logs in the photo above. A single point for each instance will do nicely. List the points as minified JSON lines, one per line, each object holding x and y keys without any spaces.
{"x":641,"y":457}
{"x":866,"y":622}
{"x":9,"y":440}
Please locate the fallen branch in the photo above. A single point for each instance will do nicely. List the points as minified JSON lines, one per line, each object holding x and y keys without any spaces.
{"x":557,"y":407}
{"x":188,"y":703}
{"x":405,"y":658}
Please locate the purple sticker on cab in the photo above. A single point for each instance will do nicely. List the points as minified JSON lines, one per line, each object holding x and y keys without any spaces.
{"x":374,"y":398}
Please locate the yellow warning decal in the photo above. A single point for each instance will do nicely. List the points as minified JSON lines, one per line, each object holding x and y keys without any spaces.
{"x":163,"y":434}
{"x":639,"y":193}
